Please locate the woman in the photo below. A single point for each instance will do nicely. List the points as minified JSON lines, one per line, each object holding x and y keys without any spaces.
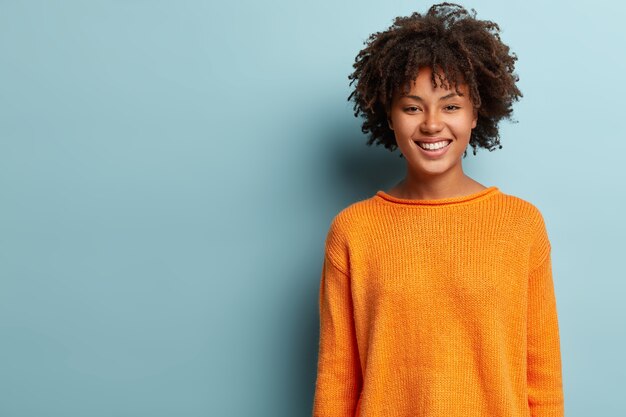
{"x":436,"y":296}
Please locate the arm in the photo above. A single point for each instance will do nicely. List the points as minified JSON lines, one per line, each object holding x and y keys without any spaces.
{"x":339,"y":378}
{"x":545,"y":391}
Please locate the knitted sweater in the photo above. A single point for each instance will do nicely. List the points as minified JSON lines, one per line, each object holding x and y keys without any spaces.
{"x":438,"y":308}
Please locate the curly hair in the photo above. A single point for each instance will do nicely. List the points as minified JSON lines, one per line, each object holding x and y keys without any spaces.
{"x":458,"y":47}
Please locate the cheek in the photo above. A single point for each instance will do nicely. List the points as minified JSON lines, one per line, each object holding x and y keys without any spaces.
{"x":404,"y":126}
{"x":464,"y":126}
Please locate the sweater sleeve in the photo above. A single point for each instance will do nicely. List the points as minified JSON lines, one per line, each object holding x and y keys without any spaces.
{"x":544,"y":379}
{"x":339,"y":378}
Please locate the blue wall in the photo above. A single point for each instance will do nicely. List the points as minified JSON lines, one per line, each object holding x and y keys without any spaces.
{"x":169,"y":169}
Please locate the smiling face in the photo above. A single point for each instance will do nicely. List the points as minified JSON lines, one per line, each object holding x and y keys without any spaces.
{"x":435,"y":118}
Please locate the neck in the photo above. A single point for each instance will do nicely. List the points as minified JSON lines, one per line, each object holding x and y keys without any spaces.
{"x":435,"y":187}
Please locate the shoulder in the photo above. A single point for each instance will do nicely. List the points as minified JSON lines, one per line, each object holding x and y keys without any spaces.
{"x":526,"y":212}
{"x":519,"y":205}
{"x":355,"y":218}
{"x":357,"y":212}
{"x":346,"y":227}
{"x":531,"y":223}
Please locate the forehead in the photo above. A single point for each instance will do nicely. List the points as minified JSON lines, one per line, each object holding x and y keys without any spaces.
{"x":427,"y":83}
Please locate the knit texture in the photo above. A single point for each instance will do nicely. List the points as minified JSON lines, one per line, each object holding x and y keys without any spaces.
{"x":438,"y":308}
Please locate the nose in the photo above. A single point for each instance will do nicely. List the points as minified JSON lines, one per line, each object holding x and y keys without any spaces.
{"x":431,"y":123}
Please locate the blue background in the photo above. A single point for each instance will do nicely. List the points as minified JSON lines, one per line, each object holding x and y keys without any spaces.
{"x":169,"y":169}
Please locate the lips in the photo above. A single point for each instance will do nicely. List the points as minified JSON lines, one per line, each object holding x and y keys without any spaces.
{"x":429,"y":144}
{"x":433,"y":153}
{"x":431,"y":139}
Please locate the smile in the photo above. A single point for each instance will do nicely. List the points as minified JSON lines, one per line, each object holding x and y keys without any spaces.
{"x":433,"y":146}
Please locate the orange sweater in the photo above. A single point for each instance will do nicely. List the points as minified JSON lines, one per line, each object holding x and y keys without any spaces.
{"x":438,"y":308}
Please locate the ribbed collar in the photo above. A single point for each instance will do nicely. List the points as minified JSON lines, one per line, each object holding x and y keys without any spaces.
{"x":477,"y":196}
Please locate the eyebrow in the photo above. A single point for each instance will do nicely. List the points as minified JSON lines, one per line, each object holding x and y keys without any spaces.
{"x":447,"y":96}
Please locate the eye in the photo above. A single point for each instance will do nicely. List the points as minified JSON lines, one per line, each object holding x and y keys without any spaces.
{"x":452,"y":107}
{"x":411,"y":109}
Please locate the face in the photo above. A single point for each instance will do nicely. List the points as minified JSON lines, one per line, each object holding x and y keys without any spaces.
{"x":434,"y":118}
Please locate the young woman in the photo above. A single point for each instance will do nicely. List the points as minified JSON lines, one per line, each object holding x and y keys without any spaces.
{"x":436,"y":295}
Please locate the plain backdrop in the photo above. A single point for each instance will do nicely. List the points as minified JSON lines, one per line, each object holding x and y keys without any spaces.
{"x":169,"y":170}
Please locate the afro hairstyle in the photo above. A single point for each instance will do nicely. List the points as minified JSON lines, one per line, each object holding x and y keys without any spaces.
{"x":458,"y":47}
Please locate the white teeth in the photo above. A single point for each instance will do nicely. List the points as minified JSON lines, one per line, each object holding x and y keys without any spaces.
{"x":433,"y":146}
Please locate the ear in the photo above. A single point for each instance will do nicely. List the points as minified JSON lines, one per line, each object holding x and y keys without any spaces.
{"x":389,"y":122}
{"x":475,"y":120}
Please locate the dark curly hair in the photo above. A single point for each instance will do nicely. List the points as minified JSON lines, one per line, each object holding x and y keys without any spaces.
{"x":458,"y":47}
